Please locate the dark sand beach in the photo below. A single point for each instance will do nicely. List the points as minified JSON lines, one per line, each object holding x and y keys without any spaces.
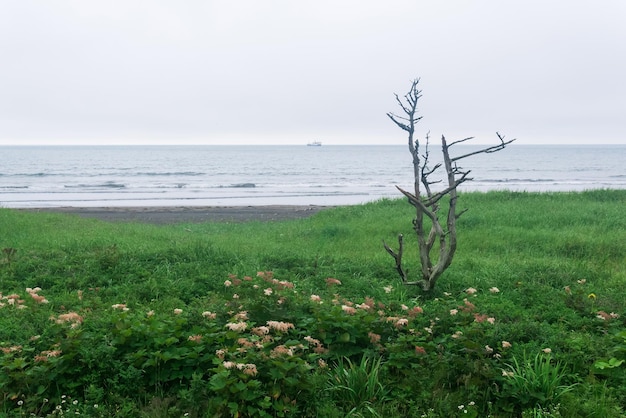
{"x":182,"y":214}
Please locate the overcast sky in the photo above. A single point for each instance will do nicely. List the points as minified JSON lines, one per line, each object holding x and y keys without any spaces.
{"x":290,"y":72}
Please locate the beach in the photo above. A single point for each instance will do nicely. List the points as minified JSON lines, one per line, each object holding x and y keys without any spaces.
{"x":186,"y":214}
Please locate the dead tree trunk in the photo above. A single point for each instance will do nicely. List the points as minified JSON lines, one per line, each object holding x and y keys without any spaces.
{"x":431,"y":234}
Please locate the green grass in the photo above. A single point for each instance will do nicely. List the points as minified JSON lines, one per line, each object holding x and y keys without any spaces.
{"x":556,"y":258}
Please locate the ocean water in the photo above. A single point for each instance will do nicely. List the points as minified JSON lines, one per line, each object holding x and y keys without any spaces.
{"x":91,"y":176}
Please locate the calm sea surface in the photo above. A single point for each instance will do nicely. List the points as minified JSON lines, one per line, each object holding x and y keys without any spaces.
{"x":267,"y":175}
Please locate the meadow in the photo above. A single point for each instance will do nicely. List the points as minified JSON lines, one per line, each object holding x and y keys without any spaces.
{"x":308,"y":318}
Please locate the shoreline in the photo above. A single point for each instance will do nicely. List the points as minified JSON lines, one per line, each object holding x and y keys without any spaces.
{"x":160,"y":215}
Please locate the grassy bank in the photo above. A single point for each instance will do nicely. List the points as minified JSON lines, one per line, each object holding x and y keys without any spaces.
{"x":145,"y":320}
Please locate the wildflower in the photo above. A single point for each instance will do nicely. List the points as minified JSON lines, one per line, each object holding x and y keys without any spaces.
{"x":235,"y":296}
{"x":331,"y":281}
{"x":457,"y":334}
{"x":416,"y":310}
{"x":237,"y":326}
{"x":428,"y":330}
{"x":404,"y":307}
{"x":468,"y":306}
{"x":388,"y":289}
{"x":120,"y":306}
{"x":80,"y":294}
{"x":209,"y":315}
{"x":547,"y":350}
{"x":280,"y":326}
{"x":38,"y":298}
{"x":250,"y":369}
{"x":603,"y":315}
{"x":494,"y":290}
{"x":228,"y":283}
{"x":316,"y":298}
{"x":72,"y":317}
{"x":150,"y":313}
{"x":507,"y":373}
{"x":419,"y":350}
{"x":614,"y":315}
{"x":281,"y":350}
{"x":488,"y":349}
{"x":20,"y":402}
{"x":195,"y":338}
{"x":568,"y":290}
{"x":178,"y":311}
{"x":268,"y":291}
{"x":591,"y":296}
{"x":260,"y":331}
{"x":454,"y":312}
{"x":448,"y":294}
{"x":12,"y":349}
{"x":229,"y":364}
{"x":348,"y":309}
{"x":242,"y":316}
{"x":321,"y":363}
{"x":581,"y":281}
{"x":506,"y":344}
{"x":470,"y":290}
{"x":491,"y":320}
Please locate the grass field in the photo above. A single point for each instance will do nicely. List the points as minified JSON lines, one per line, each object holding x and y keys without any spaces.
{"x":308,"y":317}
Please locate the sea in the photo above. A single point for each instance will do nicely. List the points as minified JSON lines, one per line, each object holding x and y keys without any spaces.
{"x":327,"y":175}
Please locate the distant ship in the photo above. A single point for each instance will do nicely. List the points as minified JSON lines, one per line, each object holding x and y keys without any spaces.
{"x":314,"y":144}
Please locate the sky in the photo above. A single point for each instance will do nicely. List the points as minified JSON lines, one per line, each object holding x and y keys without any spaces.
{"x":290,"y":72}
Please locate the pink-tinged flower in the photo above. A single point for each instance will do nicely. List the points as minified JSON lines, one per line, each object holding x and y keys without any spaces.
{"x":281,"y":350}
{"x":547,"y":350}
{"x":12,"y":349}
{"x":494,"y":290}
{"x":178,"y":311}
{"x":230,"y":364}
{"x":404,"y":307}
{"x":420,"y":350}
{"x":322,"y":364}
{"x":468,"y":306}
{"x":209,"y":315}
{"x":38,"y":298}
{"x":72,"y":317}
{"x":237,"y":326}
{"x":388,"y":289}
{"x":415,"y":311}
{"x":316,"y":298}
{"x":280,"y":326}
{"x":491,"y":320}
{"x":250,"y":369}
{"x":242,"y":316}
{"x":260,"y":331}
{"x":470,"y":290}
{"x":195,"y":338}
{"x":331,"y":281}
{"x":454,"y":312}
{"x":228,"y":283}
{"x":603,"y":315}
{"x":506,"y":344}
{"x":120,"y":306}
{"x":348,"y":309}
{"x":268,"y":291}
{"x":221,"y":353}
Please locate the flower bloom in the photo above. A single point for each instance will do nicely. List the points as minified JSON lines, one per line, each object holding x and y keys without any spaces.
{"x":457,"y":334}
{"x":404,"y":307}
{"x":388,"y":289}
{"x":260,"y":331}
{"x":401,"y":322}
{"x":268,"y":291}
{"x":195,"y":338}
{"x":506,"y":344}
{"x":470,"y":290}
{"x":280,"y":326}
{"x":488,"y":349}
{"x":547,"y":350}
{"x":120,"y":306}
{"x":581,"y":281}
{"x":419,"y":350}
{"x":72,"y":317}
{"x":348,"y":309}
{"x":507,"y":373}
{"x":494,"y":290}
{"x":374,"y":338}
{"x":491,"y":320}
{"x":591,"y":296}
{"x":237,"y":326}
{"x":178,"y":311}
{"x":316,"y":298}
{"x":454,"y":312}
{"x":228,"y":283}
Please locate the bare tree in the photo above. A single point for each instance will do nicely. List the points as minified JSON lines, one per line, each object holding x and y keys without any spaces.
{"x":437,"y":243}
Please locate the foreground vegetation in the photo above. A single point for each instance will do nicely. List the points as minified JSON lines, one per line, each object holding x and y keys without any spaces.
{"x":307,"y":317}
